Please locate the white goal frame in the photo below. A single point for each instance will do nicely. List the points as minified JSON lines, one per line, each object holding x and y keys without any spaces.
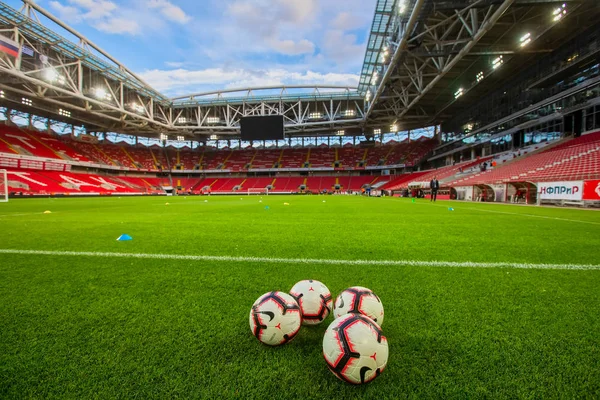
{"x":264,"y":191}
{"x":4,"y":186}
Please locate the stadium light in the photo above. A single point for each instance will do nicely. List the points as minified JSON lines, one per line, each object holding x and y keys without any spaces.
{"x":137,"y":108}
{"x":375,"y":78}
{"x":64,"y":113}
{"x":525,"y":39}
{"x":394,"y":128}
{"x":559,"y":12}
{"x":341,"y":132}
{"x":1,"y":94}
{"x":385,"y":53}
{"x":182,"y":120}
{"x":498,"y":61}
{"x":214,"y":137}
{"x":350,"y":113}
{"x":101,"y":94}
{"x":315,"y":115}
{"x":480,"y":76}
{"x":368,"y":96}
{"x":377,"y":131}
{"x":180,"y":138}
{"x":458,"y":93}
{"x":401,"y":7}
{"x":52,"y":76}
{"x":163,"y":137}
{"x":212,"y":120}
{"x":26,"y":101}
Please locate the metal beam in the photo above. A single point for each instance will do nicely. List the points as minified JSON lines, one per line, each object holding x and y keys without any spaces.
{"x":465,"y":50}
{"x":414,"y":16}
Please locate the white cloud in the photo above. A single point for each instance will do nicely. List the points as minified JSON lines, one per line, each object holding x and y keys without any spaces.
{"x":66,"y":13}
{"x":291,"y":48}
{"x":341,"y":47}
{"x":347,"y":21}
{"x":275,"y":24}
{"x":118,"y":26}
{"x":187,"y":81}
{"x":107,"y":17}
{"x":170,"y":11}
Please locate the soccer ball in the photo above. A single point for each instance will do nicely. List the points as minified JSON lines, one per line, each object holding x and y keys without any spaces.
{"x":361,"y":300}
{"x":314,"y":300}
{"x":275,"y":318}
{"x":355,"y":349}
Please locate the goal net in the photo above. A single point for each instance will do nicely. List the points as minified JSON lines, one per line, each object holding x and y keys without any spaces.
{"x":3,"y":186}
{"x":263,"y":191}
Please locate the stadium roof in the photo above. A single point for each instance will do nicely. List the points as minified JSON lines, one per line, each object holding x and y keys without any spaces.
{"x":444,"y":55}
{"x":425,"y":61}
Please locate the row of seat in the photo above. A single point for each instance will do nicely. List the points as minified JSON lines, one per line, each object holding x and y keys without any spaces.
{"x":50,"y":182}
{"x":39,"y":144}
{"x":574,"y":159}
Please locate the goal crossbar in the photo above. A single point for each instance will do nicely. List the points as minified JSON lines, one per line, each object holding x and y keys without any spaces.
{"x":264,"y":191}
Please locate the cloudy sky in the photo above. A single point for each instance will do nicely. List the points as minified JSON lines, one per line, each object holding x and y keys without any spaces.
{"x":185,"y":46}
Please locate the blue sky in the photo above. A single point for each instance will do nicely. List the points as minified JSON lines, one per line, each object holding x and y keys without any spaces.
{"x":188,"y":46}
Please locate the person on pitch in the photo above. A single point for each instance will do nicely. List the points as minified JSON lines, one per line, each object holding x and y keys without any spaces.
{"x":434,"y":185}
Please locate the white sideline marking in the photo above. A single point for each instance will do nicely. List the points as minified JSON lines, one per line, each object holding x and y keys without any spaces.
{"x":518,"y":214}
{"x":534,"y":216}
{"x":412,"y":263}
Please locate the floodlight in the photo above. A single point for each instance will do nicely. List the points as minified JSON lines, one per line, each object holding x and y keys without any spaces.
{"x":214,"y":137}
{"x":401,"y":6}
{"x":137,"y":108}
{"x":180,"y":138}
{"x":163,"y":137}
{"x":525,"y":39}
{"x":182,"y":120}
{"x":377,"y":131}
{"x":480,"y":76}
{"x":458,"y":93}
{"x":26,"y":101}
{"x":64,"y":113}
{"x":101,"y":94}
{"x":212,"y":120}
{"x":340,"y":132}
{"x":394,"y":128}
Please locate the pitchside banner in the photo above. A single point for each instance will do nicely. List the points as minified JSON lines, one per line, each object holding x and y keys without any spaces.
{"x":572,"y":190}
{"x":591,"y":190}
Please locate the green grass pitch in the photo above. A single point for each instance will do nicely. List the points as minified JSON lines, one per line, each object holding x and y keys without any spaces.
{"x":106,"y":327}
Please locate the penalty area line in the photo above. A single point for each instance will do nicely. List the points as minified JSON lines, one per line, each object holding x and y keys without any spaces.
{"x":412,"y":263}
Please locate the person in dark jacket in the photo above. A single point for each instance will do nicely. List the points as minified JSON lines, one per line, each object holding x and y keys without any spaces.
{"x":434,"y":185}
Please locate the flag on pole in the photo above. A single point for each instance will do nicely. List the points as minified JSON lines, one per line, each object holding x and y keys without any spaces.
{"x":9,"y":46}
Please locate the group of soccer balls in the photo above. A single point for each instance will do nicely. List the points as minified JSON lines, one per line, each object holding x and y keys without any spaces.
{"x":354,"y":346}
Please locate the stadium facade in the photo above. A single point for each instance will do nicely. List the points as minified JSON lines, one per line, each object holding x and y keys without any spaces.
{"x":492,"y":97}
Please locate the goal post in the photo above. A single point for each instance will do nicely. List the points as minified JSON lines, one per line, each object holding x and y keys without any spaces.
{"x":263,"y":191}
{"x":3,"y":186}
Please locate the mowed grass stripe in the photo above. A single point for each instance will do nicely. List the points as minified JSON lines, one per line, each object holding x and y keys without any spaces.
{"x":412,"y":263}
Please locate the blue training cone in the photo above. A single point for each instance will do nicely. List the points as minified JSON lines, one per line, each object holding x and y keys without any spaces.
{"x":124,"y":237}
{"x":450,"y":209}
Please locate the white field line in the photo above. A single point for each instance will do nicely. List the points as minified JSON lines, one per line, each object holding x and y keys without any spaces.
{"x":534,"y":216}
{"x":412,"y":263}
{"x":512,"y":213}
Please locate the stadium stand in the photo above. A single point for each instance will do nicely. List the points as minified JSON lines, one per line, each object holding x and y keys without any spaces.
{"x":571,"y":160}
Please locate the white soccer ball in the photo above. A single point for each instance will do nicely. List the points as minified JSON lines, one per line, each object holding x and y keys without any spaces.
{"x":275,"y":318}
{"x":358,"y":299}
{"x":355,"y":349}
{"x":314,"y":300}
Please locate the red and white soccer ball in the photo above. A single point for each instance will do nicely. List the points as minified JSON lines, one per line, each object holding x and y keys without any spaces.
{"x":355,"y":349}
{"x":314,"y":300}
{"x":275,"y":318}
{"x":358,"y":299}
